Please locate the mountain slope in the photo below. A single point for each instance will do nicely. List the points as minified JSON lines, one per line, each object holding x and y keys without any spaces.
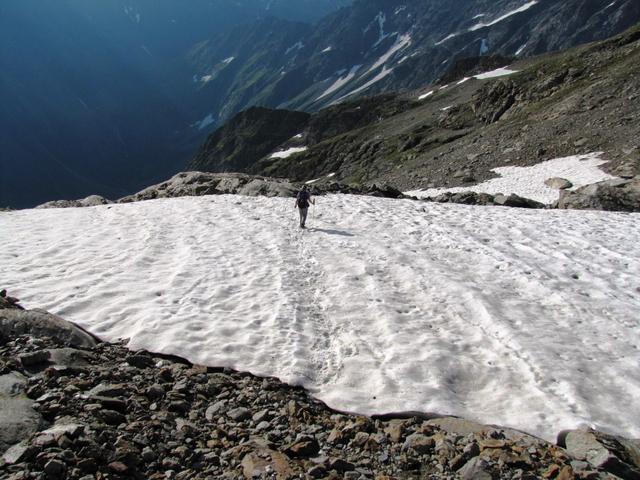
{"x":385,"y":45}
{"x":578,"y":101}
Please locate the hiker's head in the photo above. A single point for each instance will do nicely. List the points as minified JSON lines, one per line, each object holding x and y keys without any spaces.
{"x":304,"y":188}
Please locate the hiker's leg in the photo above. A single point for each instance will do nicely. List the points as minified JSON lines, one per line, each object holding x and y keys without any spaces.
{"x":303,"y":216}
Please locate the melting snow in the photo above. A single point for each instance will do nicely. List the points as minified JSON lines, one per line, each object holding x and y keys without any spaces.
{"x":523,"y":8}
{"x":520,"y":318}
{"x":498,"y":72}
{"x":400,"y":43}
{"x":521,"y":49}
{"x":448,"y":37}
{"x":297,"y":46}
{"x":385,"y":71}
{"x":340,"y":82}
{"x":529,"y":181}
{"x":204,"y":123}
{"x":287,"y":153}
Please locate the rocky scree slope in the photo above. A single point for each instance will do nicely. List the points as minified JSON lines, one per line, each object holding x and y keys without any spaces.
{"x":385,"y":45}
{"x":83,"y":409}
{"x":579,"y":101}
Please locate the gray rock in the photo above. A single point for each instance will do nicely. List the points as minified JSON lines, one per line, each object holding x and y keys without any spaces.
{"x":34,"y":358}
{"x":200,"y":183}
{"x":475,"y":469}
{"x":517,"y":201}
{"x":558,"y":183}
{"x":612,"y":195}
{"x":18,"y":453}
{"x":40,"y":323}
{"x":419,"y":443}
{"x":52,"y":435}
{"x":239,"y":414}
{"x":615,"y":455}
{"x":111,"y":417}
{"x":18,"y":419}
{"x":140,"y":361}
{"x":55,"y":469}
{"x":109,"y":390}
{"x":90,"y":201}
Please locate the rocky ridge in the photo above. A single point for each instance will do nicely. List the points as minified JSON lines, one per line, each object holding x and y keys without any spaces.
{"x":95,"y":410}
{"x":194,"y":184}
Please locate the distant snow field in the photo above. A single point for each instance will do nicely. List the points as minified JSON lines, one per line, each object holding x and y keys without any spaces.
{"x":527,"y":319}
{"x":287,"y":153}
{"x":529,"y":181}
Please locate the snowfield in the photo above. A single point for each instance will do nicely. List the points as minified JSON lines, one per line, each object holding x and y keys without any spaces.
{"x":528,"y":182}
{"x":528,"y":319}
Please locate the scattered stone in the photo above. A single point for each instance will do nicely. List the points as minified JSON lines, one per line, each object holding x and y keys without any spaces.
{"x":140,"y":361}
{"x":303,"y":447}
{"x":55,"y":469}
{"x":558,"y":183}
{"x":34,"y":358}
{"x":239,"y":414}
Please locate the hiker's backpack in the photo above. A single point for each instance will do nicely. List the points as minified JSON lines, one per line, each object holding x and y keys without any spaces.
{"x":303,"y":199}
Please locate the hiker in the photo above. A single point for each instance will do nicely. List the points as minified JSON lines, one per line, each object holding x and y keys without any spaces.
{"x":302,"y":202}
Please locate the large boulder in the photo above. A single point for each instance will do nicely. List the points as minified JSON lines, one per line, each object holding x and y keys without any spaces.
{"x":40,"y":323}
{"x":18,"y":419}
{"x":622,"y":195}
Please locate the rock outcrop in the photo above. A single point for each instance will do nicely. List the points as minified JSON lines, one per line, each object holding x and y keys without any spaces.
{"x":39,"y":323}
{"x":620,"y":195}
{"x":473,"y":198}
{"x":200,"y":183}
{"x":90,"y":201}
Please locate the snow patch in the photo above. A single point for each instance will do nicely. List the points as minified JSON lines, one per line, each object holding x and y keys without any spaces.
{"x":425,"y":95}
{"x":340,"y":82}
{"x":287,"y":153}
{"x":521,"y":49}
{"x":296,"y":46}
{"x":385,"y":71}
{"x":402,"y":42}
{"x":529,"y":181}
{"x":326,"y":50}
{"x":523,"y":8}
{"x":498,"y":72}
{"x":227,"y":61}
{"x":448,"y":37}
